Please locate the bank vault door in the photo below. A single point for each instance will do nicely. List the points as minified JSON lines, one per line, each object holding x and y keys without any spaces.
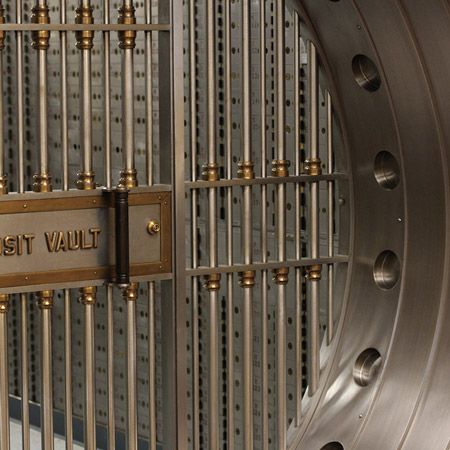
{"x":174,"y":224}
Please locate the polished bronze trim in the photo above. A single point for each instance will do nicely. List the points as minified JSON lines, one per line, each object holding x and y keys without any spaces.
{"x":313,"y":166}
{"x":3,"y":183}
{"x":246,"y":170}
{"x":4,"y":303}
{"x":88,"y":295}
{"x":85,"y":38}
{"x":314,"y":273}
{"x":281,"y":275}
{"x":40,"y":37}
{"x":212,"y":282}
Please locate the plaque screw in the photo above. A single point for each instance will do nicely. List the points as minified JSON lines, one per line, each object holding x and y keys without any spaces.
{"x":153,"y":227}
{"x":24,"y":206}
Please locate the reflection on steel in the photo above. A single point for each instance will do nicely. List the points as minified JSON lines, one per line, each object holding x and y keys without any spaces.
{"x":87,"y":299}
{"x":130,"y":295}
{"x":280,"y":168}
{"x":45,"y":304}
{"x":25,"y":393}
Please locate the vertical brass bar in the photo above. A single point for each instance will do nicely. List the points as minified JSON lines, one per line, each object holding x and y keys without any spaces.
{"x":127,"y":42}
{"x":20,"y":114}
{"x":151,"y":284}
{"x":68,"y":414}
{"x":313,"y":167}
{"x":130,"y":295}
{"x":64,"y":110}
{"x":246,"y":172}
{"x":3,"y":176}
{"x":68,"y":369}
{"x":24,"y":366}
{"x":298,"y":236}
{"x":152,"y":365}
{"x":85,"y":43}
{"x":194,"y":231}
{"x":330,"y":220}
{"x":107,"y":94}
{"x":211,"y":172}
{"x":87,"y":299}
{"x":4,"y":387}
{"x":229,"y":225}
{"x":45,"y":304}
{"x":110,"y":372}
{"x":149,"y":93}
{"x":41,"y":42}
{"x":280,"y":168}
{"x":264,"y":275}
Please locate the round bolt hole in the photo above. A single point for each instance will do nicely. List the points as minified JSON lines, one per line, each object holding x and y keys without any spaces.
{"x":386,"y":270}
{"x":333,"y":445}
{"x":367,"y":367}
{"x":387,"y":170}
{"x":366,"y":73}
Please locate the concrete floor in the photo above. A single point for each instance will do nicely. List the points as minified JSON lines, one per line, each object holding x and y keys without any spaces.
{"x":35,"y":438}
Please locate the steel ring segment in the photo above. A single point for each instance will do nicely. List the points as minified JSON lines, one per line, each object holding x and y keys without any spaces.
{"x":403,"y":116}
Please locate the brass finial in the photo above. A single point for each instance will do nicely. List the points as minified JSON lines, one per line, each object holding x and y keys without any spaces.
{"x":245,"y":170}
{"x":3,"y":184}
{"x":281,"y":275}
{"x":128,"y":178}
{"x":280,"y":168}
{"x":40,"y":38}
{"x":131,"y":292}
{"x":85,"y":38}
{"x":45,"y":299}
{"x":313,"y":166}
{"x":247,"y":279}
{"x":42,"y":182}
{"x":127,"y":38}
{"x":86,"y":180}
{"x":314,"y":273}
{"x":88,"y":295}
{"x":212,"y":282}
{"x":210,"y":172}
{"x":4,"y":303}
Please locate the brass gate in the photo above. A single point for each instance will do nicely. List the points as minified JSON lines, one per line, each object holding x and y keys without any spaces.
{"x":177,"y":167}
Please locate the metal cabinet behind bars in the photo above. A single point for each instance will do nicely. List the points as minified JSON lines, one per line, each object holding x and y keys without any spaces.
{"x":175,"y":218}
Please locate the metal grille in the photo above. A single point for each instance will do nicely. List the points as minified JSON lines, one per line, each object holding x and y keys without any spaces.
{"x":264,"y":183}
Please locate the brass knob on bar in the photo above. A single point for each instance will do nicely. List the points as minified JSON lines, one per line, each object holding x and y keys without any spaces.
{"x":246,"y":170}
{"x":42,"y":182}
{"x":281,"y":275}
{"x":247,"y":279}
{"x":210,"y":172}
{"x":41,"y":38}
{"x":88,"y":295}
{"x":85,"y":38}
{"x":153,"y":227}
{"x":45,"y":299}
{"x":313,"y":166}
{"x":280,"y":168}
{"x":127,"y":38}
{"x":4,"y":303}
{"x":212,"y":282}
{"x":3,"y":184}
{"x":314,"y":273}
{"x":131,"y":292}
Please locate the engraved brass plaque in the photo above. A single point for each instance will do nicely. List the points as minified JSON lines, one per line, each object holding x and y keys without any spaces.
{"x":68,"y":237}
